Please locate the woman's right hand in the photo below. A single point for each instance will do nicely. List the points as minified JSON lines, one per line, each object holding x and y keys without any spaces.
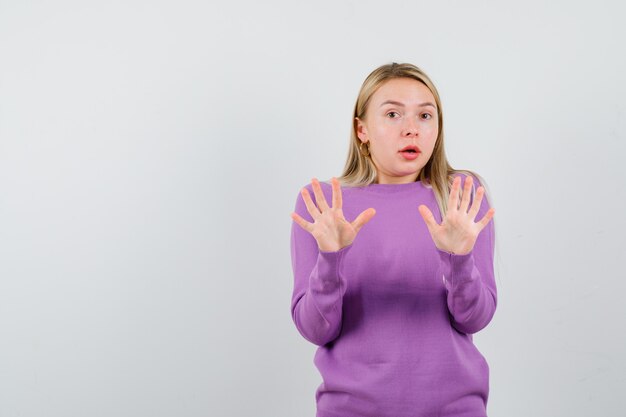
{"x":330,"y":229}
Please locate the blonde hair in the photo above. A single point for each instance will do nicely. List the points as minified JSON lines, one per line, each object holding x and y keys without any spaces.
{"x":437,"y":174}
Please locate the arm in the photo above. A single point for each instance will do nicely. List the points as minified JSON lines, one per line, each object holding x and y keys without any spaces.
{"x":470,"y":280}
{"x":316,"y":304}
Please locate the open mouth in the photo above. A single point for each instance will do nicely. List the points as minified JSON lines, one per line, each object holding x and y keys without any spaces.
{"x":410,"y":154}
{"x":410,"y":149}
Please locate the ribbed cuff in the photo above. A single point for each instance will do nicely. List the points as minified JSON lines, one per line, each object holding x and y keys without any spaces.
{"x":456,"y":269}
{"x":327,"y":278}
{"x":344,"y":249}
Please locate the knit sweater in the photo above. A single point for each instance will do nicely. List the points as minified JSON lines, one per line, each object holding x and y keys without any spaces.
{"x":391,"y":314}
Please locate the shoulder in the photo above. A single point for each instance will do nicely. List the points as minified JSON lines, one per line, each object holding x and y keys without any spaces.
{"x":464,"y":174}
{"x":325,"y":185}
{"x":477,"y":180}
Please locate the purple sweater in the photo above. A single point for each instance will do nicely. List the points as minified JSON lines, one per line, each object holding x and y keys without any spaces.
{"x":392,"y":315}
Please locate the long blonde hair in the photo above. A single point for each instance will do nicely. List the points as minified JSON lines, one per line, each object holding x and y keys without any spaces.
{"x":438,"y":174}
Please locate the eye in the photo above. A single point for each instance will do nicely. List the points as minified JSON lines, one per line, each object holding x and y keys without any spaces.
{"x":427,"y":114}
{"x":392,"y":112}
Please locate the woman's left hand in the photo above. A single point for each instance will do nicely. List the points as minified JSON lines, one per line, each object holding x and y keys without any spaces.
{"x":457,"y":232}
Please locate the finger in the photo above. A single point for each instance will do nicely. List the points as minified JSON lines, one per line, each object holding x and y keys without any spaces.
{"x":310,"y":206}
{"x":487,"y":218}
{"x":301,"y":222}
{"x":467,"y":189}
{"x":453,"y":198}
{"x":364,"y":217}
{"x":428,"y":217}
{"x":319,"y":195}
{"x":337,"y":200}
{"x":478,"y":198}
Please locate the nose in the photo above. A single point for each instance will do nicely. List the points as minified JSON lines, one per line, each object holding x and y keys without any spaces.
{"x":410,"y":127}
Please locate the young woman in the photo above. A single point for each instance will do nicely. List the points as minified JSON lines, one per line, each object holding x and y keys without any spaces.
{"x":392,"y":274}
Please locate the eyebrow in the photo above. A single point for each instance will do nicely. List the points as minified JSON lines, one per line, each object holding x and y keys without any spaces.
{"x":397,"y":103}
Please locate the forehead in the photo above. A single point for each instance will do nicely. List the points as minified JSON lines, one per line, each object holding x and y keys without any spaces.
{"x":406,"y":90}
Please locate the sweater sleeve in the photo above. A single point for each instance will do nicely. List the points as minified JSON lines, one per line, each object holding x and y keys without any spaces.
{"x":470,"y":280}
{"x":316,"y":303}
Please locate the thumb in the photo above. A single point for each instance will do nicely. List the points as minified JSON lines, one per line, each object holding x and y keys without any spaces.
{"x":363,"y":218}
{"x":428,"y":217}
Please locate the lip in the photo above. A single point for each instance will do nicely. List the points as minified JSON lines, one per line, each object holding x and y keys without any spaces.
{"x":413,"y":147}
{"x":408,"y":155}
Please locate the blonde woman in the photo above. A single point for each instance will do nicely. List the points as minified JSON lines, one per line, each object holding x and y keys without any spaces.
{"x":393,"y":264}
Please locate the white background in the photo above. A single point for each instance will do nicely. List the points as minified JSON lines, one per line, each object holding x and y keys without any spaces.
{"x":151,"y":153}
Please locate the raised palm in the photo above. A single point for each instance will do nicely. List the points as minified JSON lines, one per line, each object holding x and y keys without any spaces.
{"x":330,"y":228}
{"x":458,"y":232}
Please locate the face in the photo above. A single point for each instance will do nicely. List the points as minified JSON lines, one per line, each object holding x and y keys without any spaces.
{"x":400,"y":113}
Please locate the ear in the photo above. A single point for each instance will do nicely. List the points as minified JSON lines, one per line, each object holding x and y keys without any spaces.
{"x":361,"y":130}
